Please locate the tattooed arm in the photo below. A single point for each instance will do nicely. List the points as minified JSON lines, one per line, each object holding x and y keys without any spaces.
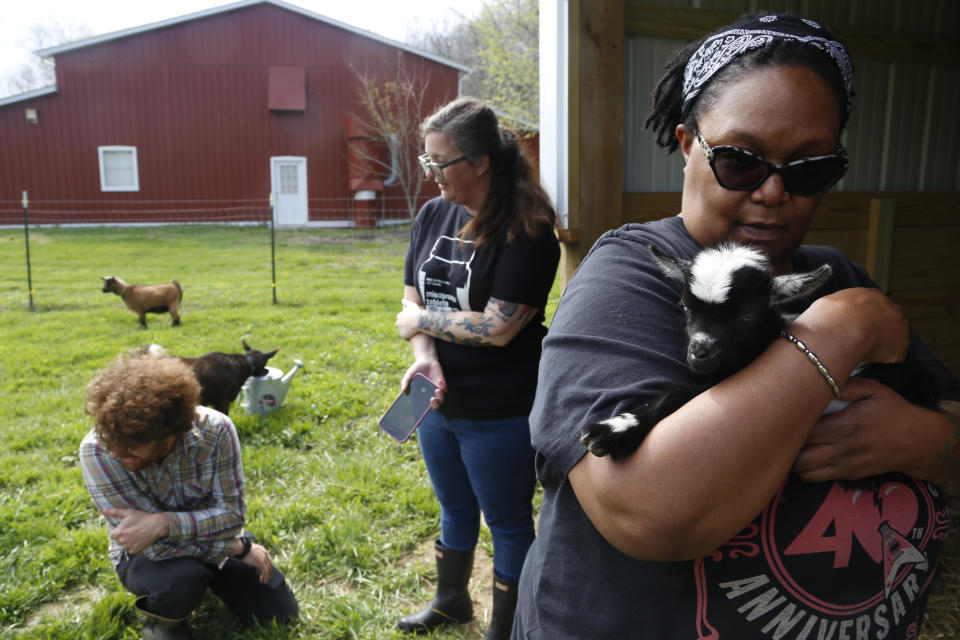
{"x":496,"y":326}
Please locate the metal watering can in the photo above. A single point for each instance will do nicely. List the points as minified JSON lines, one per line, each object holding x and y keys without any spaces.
{"x":263,"y":394}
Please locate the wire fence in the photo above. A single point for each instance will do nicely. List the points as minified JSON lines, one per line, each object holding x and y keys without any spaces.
{"x":338,"y":212}
{"x":259,"y":214}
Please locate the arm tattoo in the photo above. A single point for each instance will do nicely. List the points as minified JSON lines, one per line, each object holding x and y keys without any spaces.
{"x":434,"y":321}
{"x":440,"y":324}
{"x":951,"y":411}
{"x":481,"y":327}
{"x":503,"y":309}
{"x":526,"y":314}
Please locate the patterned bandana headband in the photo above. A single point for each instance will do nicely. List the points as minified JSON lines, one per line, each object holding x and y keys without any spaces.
{"x":718,"y":50}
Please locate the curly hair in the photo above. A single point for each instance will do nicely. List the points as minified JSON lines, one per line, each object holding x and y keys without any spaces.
{"x":140,"y":398}
{"x":515,"y":203}
{"x":667,"y":98}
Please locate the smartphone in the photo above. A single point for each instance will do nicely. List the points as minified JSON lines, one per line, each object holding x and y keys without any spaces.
{"x":409,"y":409}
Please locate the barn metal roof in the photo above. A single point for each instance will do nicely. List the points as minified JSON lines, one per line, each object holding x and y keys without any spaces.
{"x":28,"y":95}
{"x":124,"y":33}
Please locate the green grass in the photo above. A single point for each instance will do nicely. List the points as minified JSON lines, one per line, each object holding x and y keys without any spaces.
{"x":342,"y":508}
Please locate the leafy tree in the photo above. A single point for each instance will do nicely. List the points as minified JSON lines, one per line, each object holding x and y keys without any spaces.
{"x":501,"y":44}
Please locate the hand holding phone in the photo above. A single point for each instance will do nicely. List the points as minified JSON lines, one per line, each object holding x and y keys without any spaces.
{"x":409,"y":409}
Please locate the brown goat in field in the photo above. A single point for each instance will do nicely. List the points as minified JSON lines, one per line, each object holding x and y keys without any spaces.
{"x":222,"y":374}
{"x":147,"y":298}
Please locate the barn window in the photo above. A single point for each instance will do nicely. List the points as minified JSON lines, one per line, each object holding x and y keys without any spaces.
{"x":118,"y":169}
{"x":286,"y":89}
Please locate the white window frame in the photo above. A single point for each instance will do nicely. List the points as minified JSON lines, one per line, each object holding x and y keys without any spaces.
{"x":103,"y":174}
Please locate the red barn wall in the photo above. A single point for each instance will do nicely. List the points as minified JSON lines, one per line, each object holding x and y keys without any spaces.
{"x":192,"y":98}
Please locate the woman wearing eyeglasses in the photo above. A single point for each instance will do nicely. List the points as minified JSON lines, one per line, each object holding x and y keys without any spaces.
{"x":481,"y":262}
{"x":743,"y":514}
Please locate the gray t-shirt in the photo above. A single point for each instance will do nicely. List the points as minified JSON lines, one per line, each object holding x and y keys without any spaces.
{"x":823,"y":560}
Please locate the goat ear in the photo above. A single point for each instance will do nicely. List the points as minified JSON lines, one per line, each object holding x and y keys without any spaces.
{"x":270,"y":354}
{"x":246,"y":347}
{"x":672,"y":267}
{"x":795,"y":285}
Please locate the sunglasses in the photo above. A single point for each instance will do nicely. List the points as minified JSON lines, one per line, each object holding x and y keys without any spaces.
{"x":435,"y":169}
{"x":744,"y":171}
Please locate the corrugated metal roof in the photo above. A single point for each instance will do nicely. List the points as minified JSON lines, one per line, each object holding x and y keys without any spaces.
{"x":124,"y":33}
{"x":28,"y":95}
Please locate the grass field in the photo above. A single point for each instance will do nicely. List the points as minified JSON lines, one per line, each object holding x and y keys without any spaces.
{"x":348,"y":515}
{"x":346,"y":512}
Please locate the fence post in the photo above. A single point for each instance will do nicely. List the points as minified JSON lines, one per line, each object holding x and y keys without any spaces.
{"x":273,"y":256}
{"x":26,"y":239}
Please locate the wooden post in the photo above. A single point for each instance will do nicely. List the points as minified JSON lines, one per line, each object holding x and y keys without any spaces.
{"x":273,"y":250}
{"x":596,"y":127}
{"x":880,"y":240}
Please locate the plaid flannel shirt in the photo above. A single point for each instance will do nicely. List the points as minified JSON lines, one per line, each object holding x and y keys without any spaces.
{"x":198,"y":486}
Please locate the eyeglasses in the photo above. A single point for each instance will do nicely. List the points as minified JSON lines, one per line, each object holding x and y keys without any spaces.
{"x":744,"y":171}
{"x":435,"y":169}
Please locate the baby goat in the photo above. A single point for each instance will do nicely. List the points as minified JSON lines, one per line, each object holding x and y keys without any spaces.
{"x":730,"y":298}
{"x":222,"y":374}
{"x":147,"y":298}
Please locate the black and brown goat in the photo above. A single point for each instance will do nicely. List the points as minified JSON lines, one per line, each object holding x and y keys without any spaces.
{"x":222,"y":374}
{"x":147,"y":298}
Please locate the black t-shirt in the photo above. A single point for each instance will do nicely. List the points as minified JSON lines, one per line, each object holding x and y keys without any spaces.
{"x":823,"y":560}
{"x":483,"y":382}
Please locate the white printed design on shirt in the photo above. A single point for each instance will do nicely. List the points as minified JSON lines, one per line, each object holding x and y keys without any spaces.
{"x":444,"y":278}
{"x":805,"y":580}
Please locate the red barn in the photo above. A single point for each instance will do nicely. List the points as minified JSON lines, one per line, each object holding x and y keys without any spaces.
{"x":202,"y":117}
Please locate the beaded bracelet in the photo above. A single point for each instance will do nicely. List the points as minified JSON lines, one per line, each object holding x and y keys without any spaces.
{"x":816,"y":362}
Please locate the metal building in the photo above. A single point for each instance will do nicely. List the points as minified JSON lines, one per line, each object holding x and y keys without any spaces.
{"x":202,"y":117}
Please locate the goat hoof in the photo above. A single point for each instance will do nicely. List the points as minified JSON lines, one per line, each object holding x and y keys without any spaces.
{"x":589,"y":438}
{"x":597,"y":450}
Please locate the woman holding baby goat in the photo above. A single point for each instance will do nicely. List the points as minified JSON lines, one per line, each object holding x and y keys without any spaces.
{"x":481,"y":262}
{"x":744,"y":513}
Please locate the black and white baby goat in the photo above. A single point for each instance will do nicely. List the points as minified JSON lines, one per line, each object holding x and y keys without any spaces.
{"x":730,"y":299}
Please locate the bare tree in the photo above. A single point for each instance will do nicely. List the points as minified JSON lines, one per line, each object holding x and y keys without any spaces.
{"x":392,"y":106}
{"x":38,"y":72}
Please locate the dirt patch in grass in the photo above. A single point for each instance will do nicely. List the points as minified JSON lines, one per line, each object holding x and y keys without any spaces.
{"x":68,"y":605}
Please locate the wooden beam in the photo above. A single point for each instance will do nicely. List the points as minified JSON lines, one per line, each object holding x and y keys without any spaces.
{"x":654,"y":19}
{"x":880,"y":240}
{"x":596,"y":121}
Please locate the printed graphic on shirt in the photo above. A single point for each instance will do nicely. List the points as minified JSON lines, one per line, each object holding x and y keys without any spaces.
{"x":444,"y":278}
{"x":802,"y":578}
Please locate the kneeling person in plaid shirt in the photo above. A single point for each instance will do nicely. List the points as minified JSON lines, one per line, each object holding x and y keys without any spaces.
{"x":166,"y":473}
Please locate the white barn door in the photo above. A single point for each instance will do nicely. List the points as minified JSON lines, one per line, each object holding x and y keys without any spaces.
{"x":288,"y":181}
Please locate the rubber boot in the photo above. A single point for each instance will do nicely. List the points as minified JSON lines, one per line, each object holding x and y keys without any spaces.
{"x":159,"y":628}
{"x":504,"y":606}
{"x":156,"y":629}
{"x":452,"y":603}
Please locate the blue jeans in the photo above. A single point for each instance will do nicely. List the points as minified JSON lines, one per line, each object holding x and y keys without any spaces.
{"x":488,"y":465}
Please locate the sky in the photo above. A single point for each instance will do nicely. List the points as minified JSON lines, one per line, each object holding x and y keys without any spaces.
{"x":390,"y":18}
